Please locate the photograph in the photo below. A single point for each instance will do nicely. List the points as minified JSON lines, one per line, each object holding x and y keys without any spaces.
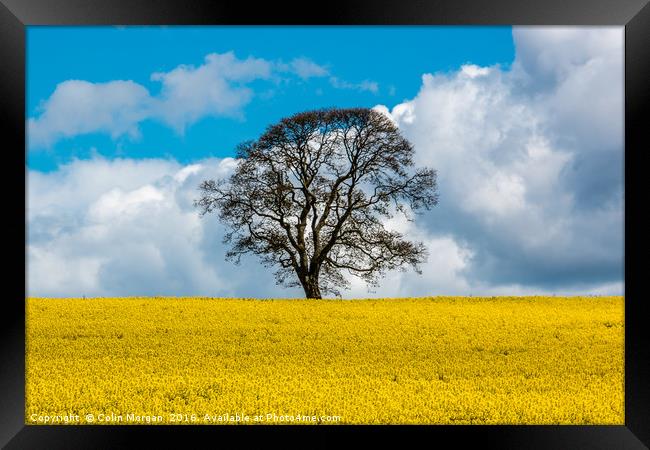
{"x":324,"y":225}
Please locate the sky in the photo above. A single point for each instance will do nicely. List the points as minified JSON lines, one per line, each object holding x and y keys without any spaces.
{"x":524,"y":126}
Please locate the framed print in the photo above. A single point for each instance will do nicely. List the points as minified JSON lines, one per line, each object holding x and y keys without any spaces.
{"x":387,"y":217}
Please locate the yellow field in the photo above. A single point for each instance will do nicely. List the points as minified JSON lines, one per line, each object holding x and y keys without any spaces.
{"x":503,"y":360}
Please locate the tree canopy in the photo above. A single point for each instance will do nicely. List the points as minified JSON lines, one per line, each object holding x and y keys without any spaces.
{"x":311,"y":195}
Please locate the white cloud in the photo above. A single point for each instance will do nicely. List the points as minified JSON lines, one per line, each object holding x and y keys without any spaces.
{"x":553,"y":54}
{"x":218,"y":87}
{"x":306,"y":68}
{"x":441,"y":273}
{"x":78,"y":107}
{"x":215,"y":88}
{"x":473,"y":71}
{"x":125,"y":227}
{"x":117,"y":205}
{"x":529,"y":161}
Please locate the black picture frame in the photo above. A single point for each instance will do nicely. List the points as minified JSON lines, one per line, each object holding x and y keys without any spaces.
{"x":15,"y":15}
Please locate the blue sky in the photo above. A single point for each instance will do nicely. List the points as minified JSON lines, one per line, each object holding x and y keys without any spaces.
{"x":393,"y":58}
{"x":524,"y":126}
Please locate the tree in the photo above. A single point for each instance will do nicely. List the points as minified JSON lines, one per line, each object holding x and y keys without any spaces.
{"x":310,"y":194}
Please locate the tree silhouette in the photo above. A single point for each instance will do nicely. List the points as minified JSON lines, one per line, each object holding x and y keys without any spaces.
{"x":310,"y":196}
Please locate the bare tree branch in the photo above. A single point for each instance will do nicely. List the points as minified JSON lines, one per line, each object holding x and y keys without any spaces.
{"x":310,"y":195}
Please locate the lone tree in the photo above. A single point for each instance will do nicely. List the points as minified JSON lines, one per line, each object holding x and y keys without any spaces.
{"x":310,"y":194}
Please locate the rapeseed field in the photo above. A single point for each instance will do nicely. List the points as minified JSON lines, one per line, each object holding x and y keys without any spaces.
{"x":439,"y":360}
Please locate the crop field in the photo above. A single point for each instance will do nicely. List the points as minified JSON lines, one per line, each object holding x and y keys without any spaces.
{"x":439,"y":360}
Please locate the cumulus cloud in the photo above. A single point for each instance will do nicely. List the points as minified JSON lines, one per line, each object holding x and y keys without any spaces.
{"x":441,"y":273}
{"x":79,"y":107}
{"x":220,"y":87}
{"x":530,"y":161}
{"x":216,"y":88}
{"x":128,"y":227}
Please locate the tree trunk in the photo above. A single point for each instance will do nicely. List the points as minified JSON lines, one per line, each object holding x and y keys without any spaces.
{"x":310,"y":285}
